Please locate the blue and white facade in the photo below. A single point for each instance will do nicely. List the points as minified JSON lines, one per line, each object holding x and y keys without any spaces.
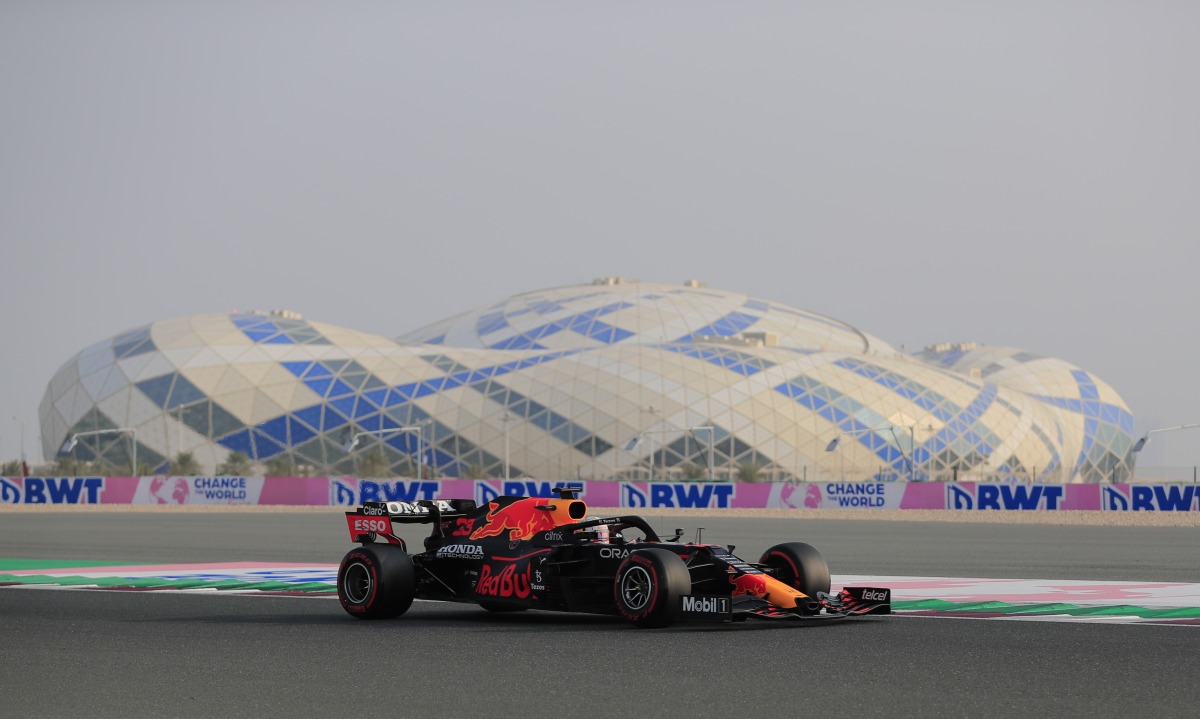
{"x":612,"y":380}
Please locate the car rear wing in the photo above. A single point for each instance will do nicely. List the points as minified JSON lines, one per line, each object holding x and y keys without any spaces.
{"x":375,"y":519}
{"x":422,"y":511}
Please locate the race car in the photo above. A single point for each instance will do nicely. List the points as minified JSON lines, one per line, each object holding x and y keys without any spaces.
{"x":518,"y":553}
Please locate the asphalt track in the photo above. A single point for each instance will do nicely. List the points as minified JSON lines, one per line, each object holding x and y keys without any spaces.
{"x":185,"y":654}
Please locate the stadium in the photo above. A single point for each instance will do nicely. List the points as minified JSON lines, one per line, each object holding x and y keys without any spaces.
{"x":612,"y":380}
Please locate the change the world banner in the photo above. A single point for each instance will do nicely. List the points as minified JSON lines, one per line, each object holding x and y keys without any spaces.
{"x":351,"y":491}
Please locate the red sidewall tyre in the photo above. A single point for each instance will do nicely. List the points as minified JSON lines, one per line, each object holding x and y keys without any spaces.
{"x":648,"y":587}
{"x":799,"y":565}
{"x":376,"y":582}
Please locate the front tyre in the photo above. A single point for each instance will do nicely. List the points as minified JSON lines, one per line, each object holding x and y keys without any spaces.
{"x":649,"y":585}
{"x":798,"y":565}
{"x":376,"y":581}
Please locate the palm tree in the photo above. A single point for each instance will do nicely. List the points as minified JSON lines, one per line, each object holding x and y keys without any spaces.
{"x":373,"y":464}
{"x":280,"y":465}
{"x":237,"y":464}
{"x":184,"y":465}
{"x":750,"y":472}
{"x":68,"y":466}
{"x":141,"y":470}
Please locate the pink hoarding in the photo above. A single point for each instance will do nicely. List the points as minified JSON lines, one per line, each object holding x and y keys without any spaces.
{"x":351,"y":491}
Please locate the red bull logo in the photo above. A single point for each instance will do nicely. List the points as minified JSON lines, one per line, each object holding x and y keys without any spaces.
{"x":765,"y":587}
{"x":752,"y":584}
{"x":524,"y":518}
{"x":508,"y":583}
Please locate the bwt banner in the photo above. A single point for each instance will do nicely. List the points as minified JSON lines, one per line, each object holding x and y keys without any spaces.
{"x":352,"y":491}
{"x":165,"y":490}
{"x":51,"y":490}
{"x":1150,"y":497}
{"x":1008,"y":497}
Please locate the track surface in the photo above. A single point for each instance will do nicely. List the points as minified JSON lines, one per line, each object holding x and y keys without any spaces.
{"x":128,"y":653}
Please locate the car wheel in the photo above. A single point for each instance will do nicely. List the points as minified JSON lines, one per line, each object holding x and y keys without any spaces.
{"x":376,"y":581}
{"x":649,"y":585}
{"x":798,"y":565}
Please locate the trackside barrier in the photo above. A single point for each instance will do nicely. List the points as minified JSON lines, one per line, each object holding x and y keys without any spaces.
{"x":350,"y":491}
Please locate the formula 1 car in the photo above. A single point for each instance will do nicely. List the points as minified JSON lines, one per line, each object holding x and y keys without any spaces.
{"x":518,"y":553}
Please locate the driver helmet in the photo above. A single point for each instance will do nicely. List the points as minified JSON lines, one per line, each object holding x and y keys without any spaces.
{"x":598,"y":533}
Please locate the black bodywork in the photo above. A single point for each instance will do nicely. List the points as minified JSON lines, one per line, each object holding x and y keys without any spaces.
{"x":520,"y":553}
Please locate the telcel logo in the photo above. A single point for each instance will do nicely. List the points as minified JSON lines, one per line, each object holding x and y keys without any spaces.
{"x":874,"y":595}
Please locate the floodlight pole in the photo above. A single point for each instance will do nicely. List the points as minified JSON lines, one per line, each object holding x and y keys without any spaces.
{"x":179,"y":429}
{"x":833,"y":444}
{"x":662,"y":445}
{"x":74,"y":440}
{"x":506,"y":419}
{"x":1141,"y":443}
{"x":711,"y":440}
{"x":419,"y":428}
{"x":22,"y":423}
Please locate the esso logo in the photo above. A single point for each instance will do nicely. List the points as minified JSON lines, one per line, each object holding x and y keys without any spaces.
{"x":371,"y":525}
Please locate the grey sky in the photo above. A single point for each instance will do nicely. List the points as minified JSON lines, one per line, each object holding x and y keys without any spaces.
{"x":1020,"y":174}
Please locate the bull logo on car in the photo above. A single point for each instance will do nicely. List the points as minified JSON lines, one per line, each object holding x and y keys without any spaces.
{"x":765,"y":587}
{"x":523,"y":519}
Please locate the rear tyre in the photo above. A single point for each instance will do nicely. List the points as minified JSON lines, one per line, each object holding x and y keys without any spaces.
{"x":798,"y":565}
{"x":649,"y":585}
{"x":376,"y":581}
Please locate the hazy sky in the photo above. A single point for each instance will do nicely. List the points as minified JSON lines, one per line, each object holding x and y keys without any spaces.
{"x":1012,"y":173}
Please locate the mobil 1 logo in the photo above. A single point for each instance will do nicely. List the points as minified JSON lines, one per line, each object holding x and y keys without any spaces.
{"x":705,"y":606}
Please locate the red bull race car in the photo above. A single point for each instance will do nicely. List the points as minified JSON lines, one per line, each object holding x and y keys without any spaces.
{"x":517,"y":553}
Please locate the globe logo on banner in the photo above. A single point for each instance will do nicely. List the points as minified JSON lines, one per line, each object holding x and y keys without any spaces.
{"x":169,"y":490}
{"x":796,"y":495}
